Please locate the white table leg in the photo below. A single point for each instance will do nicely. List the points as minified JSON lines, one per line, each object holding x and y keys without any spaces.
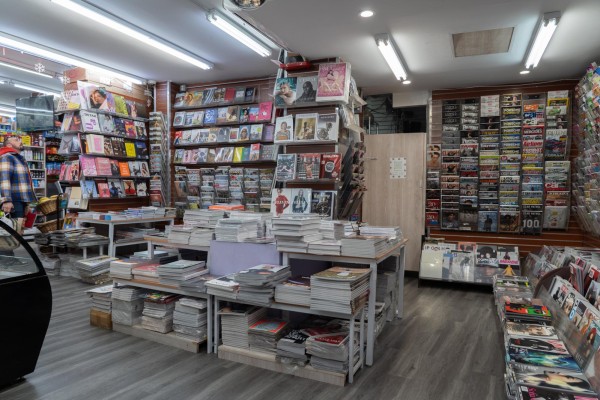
{"x":351,"y":351}
{"x":111,"y":240}
{"x":101,"y":250}
{"x":209,"y":322}
{"x":84,"y":253}
{"x":400,"y":259}
{"x":362,"y":337}
{"x":371,"y":313}
{"x":150,"y":249}
{"x":216,"y":327}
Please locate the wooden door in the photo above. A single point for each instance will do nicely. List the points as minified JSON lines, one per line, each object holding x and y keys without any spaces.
{"x":397,"y":200}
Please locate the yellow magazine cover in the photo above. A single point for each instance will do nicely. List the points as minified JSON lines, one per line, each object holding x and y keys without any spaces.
{"x":238,"y":154}
{"x":130,"y":149}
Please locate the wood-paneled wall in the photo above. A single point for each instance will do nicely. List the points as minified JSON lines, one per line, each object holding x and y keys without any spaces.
{"x":573,"y":236}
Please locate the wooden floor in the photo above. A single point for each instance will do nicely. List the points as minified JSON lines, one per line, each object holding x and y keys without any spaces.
{"x":448,"y":346}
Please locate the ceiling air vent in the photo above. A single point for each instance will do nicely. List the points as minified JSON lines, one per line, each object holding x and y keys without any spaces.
{"x":478,"y":43}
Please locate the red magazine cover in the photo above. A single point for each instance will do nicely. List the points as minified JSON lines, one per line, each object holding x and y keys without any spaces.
{"x":330,"y":165}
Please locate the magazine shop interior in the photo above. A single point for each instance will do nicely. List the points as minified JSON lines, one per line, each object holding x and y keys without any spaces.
{"x":244,"y":199}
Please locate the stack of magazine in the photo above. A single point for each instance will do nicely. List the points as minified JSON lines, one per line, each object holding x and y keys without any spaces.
{"x":332,"y":230}
{"x":101,"y":298}
{"x":294,"y":290}
{"x":264,"y":334}
{"x":339,"y":289}
{"x":189,"y":318}
{"x":225,"y":286}
{"x":202,"y":218}
{"x":235,"y":321}
{"x":365,"y":246}
{"x":158,"y":311}
{"x":257,"y":284}
{"x":291,"y":348}
{"x":235,"y":230}
{"x":94,"y":270}
{"x":180,"y":234}
{"x":127,"y":305}
{"x":179,"y":271}
{"x":201,"y":237}
{"x":328,"y":348}
{"x":295,"y":232}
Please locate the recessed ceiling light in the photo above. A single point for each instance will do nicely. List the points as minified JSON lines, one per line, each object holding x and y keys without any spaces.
{"x":406,"y":82}
{"x":366,"y":13}
{"x":524,"y":72}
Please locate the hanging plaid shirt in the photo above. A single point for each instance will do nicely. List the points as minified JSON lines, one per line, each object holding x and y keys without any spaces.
{"x":15,"y":181}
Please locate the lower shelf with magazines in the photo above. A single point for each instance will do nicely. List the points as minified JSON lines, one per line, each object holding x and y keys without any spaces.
{"x":170,"y":338}
{"x":271,"y":360}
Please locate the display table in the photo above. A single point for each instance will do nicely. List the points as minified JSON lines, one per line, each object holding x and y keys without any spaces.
{"x":154,"y":241}
{"x":359,"y":314}
{"x":112,"y":246}
{"x":171,"y":340}
{"x":396,"y":251}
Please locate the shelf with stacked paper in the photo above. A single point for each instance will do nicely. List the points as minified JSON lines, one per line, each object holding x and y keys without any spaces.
{"x":169,"y":339}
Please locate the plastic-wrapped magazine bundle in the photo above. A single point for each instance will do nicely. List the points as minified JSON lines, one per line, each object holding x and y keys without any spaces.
{"x":189,"y":318}
{"x":127,"y":305}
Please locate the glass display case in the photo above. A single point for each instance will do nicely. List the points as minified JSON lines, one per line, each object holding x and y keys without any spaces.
{"x":26,"y":304}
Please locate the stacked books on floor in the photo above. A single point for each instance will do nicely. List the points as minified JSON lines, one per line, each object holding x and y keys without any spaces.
{"x":538,"y":363}
{"x":294,"y":290}
{"x":95,"y":270}
{"x":295,"y":232}
{"x":127,"y":305}
{"x":339,"y":289}
{"x":257,"y":284}
{"x":235,"y":321}
{"x":264,"y":334}
{"x":235,"y":230}
{"x":174,"y":273}
{"x":101,"y":298}
{"x":189,"y":318}
{"x":158,"y":311}
{"x":225,"y":287}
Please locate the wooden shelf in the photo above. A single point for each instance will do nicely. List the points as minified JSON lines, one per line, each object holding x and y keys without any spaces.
{"x":269,"y":362}
{"x":170,"y":339}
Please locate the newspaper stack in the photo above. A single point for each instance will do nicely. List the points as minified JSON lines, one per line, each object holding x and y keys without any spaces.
{"x":146,"y":272}
{"x":291,"y":348}
{"x":94,"y":270}
{"x":339,"y":289}
{"x":264,"y":334}
{"x":332,"y":230}
{"x":158,"y":311}
{"x":235,"y":230}
{"x":180,"y":234}
{"x":327,"y":247}
{"x":121,"y":269}
{"x":295,"y":232}
{"x":197,"y":285}
{"x":330,"y":351}
{"x":201,"y":237}
{"x":295,"y":290}
{"x":225,"y":287}
{"x":189,"y":318}
{"x":364,"y":246}
{"x":181,"y":270}
{"x":127,"y":305}
{"x":235,"y":321}
{"x":202,"y":218}
{"x":101,"y":298}
{"x":257,"y":284}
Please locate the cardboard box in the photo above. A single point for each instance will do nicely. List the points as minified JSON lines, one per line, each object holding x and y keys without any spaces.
{"x":101,"y":319}
{"x":111,"y":84}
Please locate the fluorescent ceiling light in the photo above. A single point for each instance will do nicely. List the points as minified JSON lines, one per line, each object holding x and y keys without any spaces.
{"x":543,"y":35}
{"x":58,"y":56}
{"x":387,"y":47}
{"x":3,"y":64}
{"x":525,"y":72}
{"x":406,"y":82}
{"x":366,"y":13}
{"x":237,"y":33}
{"x":119,"y":25}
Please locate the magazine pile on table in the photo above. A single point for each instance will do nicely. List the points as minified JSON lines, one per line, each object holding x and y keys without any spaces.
{"x":339,"y":289}
{"x":257,"y":284}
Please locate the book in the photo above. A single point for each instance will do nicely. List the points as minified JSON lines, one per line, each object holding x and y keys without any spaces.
{"x":222,"y":115}
{"x":89,"y":189}
{"x":103,"y":190}
{"x":103,"y":166}
{"x":333,"y":82}
{"x":244,"y":115}
{"x":306,"y":90}
{"x":281,"y":200}
{"x":141,"y":149}
{"x":115,"y":187}
{"x":249,"y":94}
{"x":88,"y":165}
{"x":244,"y":133}
{"x":256,"y":131}
{"x":286,"y":167}
{"x":330,"y":165}
{"x":130,"y":149}
{"x":129,"y":187}
{"x":114,"y":168}
{"x":210,"y":116}
{"x":284,"y":128}
{"x":142,"y":188}
{"x":130,"y":129}
{"x":253,"y":114}
{"x":124,"y":169}
{"x":305,"y":126}
{"x":232,"y":114}
{"x":254,"y":152}
{"x":328,"y":127}
{"x":237,"y":154}
{"x":179,"y":118}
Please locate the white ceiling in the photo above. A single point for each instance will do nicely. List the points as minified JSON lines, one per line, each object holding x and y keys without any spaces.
{"x":422,"y":30}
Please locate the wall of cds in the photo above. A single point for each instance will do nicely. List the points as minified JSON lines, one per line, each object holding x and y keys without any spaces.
{"x":502,"y":164}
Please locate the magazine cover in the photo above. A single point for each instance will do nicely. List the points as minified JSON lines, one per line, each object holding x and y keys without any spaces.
{"x":286,"y":167}
{"x":556,"y":217}
{"x":308,"y":166}
{"x":256,"y":132}
{"x":306,"y":90}
{"x":434,"y":159}
{"x":508,"y":255}
{"x":129,"y":187}
{"x":463,"y":266}
{"x":323,"y":203}
{"x":284,"y":128}
{"x":89,"y":121}
{"x":115,"y":187}
{"x":285,"y":91}
{"x":333,"y":82}
{"x":300,"y":201}
{"x":330,"y":165}
{"x":210,"y":116}
{"x":488,"y":221}
{"x":281,"y":199}
{"x":305,"y":126}
{"x":328,"y":127}
{"x":487,"y":255}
